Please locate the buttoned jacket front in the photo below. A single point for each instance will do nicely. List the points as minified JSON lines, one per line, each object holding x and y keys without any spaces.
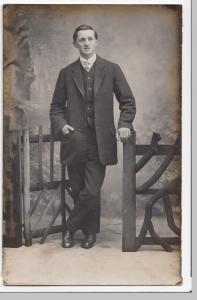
{"x":68,"y":107}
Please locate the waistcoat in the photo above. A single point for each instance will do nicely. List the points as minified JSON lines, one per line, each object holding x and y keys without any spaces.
{"x":88,"y":81}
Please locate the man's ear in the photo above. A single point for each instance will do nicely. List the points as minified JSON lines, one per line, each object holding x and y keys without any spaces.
{"x":74,"y":44}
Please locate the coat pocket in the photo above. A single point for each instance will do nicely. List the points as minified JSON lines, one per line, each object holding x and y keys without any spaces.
{"x":73,"y":148}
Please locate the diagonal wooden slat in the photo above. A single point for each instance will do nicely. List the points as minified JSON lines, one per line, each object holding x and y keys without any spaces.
{"x":52,"y":220}
{"x":169,"y":215}
{"x":152,"y":150}
{"x":158,"y":239}
{"x":40,"y":196}
{"x":52,"y":198}
{"x":142,"y":188}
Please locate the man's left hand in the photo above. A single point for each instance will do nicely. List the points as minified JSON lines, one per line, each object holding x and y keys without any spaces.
{"x":124,"y":133}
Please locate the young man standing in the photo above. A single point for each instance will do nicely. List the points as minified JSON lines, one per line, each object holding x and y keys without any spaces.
{"x":82,"y":117}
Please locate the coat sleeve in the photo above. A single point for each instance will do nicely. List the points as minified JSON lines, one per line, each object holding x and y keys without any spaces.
{"x":57,"y":111}
{"x":125,"y":98}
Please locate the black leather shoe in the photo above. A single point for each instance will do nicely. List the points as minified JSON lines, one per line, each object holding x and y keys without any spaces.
{"x":68,"y":240}
{"x":89,"y":241}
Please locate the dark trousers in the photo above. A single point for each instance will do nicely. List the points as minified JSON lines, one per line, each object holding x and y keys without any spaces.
{"x":86,"y":180}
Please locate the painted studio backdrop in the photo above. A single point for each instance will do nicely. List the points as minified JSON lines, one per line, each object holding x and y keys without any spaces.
{"x":144,"y":40}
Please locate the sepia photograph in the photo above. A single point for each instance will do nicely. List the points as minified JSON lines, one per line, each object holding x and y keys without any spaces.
{"x":92,"y":145}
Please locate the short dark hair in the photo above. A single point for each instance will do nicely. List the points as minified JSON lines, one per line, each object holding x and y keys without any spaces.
{"x":84,"y":27}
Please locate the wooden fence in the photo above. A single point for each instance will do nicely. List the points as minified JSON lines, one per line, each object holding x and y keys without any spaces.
{"x":130,"y":242}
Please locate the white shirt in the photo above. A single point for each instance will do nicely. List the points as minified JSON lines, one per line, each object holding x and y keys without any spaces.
{"x":88,"y":63}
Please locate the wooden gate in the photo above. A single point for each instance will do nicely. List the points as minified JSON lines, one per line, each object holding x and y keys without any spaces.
{"x":131,"y":242}
{"x":57,"y":188}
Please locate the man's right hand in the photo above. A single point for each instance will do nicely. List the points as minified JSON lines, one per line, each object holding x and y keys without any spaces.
{"x":67,"y":129}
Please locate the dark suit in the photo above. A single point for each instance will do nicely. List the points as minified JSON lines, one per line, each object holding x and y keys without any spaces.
{"x":68,"y":107}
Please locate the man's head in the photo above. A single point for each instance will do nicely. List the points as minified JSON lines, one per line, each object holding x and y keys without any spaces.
{"x":85,"y":40}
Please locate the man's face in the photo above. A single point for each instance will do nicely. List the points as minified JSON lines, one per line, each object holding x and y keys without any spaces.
{"x":86,"y":43}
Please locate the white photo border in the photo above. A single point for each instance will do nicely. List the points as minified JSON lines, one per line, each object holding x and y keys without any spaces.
{"x":186,"y":285}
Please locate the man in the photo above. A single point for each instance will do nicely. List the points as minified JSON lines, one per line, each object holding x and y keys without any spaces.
{"x":82,"y":117}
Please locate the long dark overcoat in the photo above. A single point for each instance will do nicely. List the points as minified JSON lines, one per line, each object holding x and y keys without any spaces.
{"x":68,"y":107}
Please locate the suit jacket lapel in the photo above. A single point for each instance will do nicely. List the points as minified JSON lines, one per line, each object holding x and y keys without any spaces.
{"x":99,"y":74}
{"x":77,"y":76}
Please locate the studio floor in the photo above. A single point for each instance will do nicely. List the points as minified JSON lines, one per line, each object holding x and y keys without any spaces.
{"x":104,"y":264}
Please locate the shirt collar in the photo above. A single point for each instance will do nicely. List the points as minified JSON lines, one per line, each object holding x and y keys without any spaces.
{"x":90,"y":60}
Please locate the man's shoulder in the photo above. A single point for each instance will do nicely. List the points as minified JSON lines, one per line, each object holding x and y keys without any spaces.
{"x":107,"y":62}
{"x":69,"y":66}
{"x":112,"y":67}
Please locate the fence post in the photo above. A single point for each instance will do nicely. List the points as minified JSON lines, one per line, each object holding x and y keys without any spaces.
{"x":63,"y":199}
{"x":12,"y":202}
{"x":129,"y":195}
{"x":26,"y":189}
{"x":51,"y":156}
{"x":40,"y":162}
